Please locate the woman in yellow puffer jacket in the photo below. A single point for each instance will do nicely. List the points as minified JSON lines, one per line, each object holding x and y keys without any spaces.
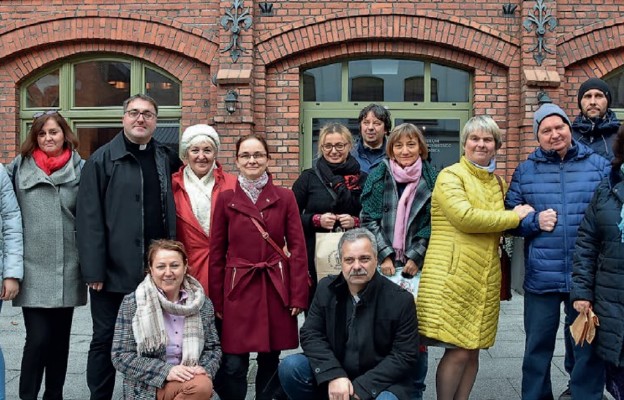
{"x":458,"y":297}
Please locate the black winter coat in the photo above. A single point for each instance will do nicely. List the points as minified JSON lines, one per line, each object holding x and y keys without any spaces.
{"x":313,"y":198}
{"x":109,"y":214}
{"x":388,"y":340}
{"x":598,"y":274}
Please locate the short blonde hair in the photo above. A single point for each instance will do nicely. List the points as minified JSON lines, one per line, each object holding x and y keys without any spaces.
{"x":334,"y":127}
{"x":483,"y":123}
{"x":412,"y":132}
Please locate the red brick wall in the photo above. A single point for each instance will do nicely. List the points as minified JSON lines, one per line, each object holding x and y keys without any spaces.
{"x":184,"y":38}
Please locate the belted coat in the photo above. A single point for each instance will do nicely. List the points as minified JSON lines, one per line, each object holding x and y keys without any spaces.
{"x":251,"y":285}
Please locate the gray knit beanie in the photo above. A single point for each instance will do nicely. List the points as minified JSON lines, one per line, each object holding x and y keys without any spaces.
{"x":547,"y":110}
{"x":197,"y":134}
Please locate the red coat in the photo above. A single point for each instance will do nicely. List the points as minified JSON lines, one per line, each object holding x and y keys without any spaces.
{"x":250,"y":284}
{"x":188,"y":230}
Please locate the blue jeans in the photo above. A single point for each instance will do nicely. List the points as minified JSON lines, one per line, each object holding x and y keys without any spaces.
{"x":298,"y":380}
{"x":2,"y":383}
{"x":541,"y":322}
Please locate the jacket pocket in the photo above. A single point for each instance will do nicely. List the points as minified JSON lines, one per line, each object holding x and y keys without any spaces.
{"x":455,"y":256}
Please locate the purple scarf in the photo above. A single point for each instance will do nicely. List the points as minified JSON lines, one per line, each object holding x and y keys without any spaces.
{"x":410,"y":175}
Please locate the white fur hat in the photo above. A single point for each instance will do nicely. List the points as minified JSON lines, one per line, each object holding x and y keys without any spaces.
{"x":197,"y":134}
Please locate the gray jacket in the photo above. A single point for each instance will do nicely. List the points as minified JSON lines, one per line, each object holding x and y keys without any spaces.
{"x":48,"y":203}
{"x":11,"y":243}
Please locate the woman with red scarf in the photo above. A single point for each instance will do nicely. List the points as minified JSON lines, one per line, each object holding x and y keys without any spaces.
{"x":46,"y":175}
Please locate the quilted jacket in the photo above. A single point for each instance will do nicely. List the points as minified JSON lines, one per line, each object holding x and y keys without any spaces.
{"x":546,"y":181}
{"x":598,"y":275}
{"x":458,"y":297}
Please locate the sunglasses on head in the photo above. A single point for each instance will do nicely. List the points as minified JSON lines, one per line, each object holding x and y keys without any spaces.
{"x":42,"y":113}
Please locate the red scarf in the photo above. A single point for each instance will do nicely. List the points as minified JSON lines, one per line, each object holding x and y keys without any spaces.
{"x":50,"y":164}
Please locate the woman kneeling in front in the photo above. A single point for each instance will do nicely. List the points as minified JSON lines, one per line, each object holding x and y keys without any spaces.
{"x":165,"y":342}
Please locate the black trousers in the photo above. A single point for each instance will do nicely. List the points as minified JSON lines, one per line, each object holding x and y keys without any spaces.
{"x":231,"y":380}
{"x":46,"y":349}
{"x":100,"y":370}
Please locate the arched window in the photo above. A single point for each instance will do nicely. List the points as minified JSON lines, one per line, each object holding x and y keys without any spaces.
{"x":89,"y":93}
{"x":437,"y":98}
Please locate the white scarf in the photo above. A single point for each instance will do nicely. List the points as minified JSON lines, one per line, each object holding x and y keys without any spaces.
{"x":200,"y":194}
{"x":148,"y":322}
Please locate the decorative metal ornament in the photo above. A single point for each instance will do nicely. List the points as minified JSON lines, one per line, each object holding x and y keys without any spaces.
{"x":235,"y":23}
{"x":266,"y":8}
{"x":543,"y":20}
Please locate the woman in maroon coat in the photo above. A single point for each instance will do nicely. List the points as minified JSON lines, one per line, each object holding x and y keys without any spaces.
{"x":255,"y":288}
{"x":196,"y":187}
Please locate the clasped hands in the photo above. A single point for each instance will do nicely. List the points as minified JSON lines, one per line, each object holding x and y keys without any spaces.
{"x":341,"y":389}
{"x":328,"y":220}
{"x":183,"y":373}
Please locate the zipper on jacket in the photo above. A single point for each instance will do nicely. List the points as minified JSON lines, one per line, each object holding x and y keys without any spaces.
{"x":233,"y":278}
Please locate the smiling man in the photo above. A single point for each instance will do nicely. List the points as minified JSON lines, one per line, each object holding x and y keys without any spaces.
{"x":375,"y":123}
{"x":124,"y":202}
{"x":558,"y":180}
{"x":596,"y":125}
{"x":360,"y":339}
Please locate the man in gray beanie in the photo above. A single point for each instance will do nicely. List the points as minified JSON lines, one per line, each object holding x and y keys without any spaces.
{"x":558,"y":180}
{"x":596,"y":125}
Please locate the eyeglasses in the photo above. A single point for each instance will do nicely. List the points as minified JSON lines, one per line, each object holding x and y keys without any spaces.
{"x":42,"y":113}
{"x":256,"y":156}
{"x":147,"y":115}
{"x":338,"y":146}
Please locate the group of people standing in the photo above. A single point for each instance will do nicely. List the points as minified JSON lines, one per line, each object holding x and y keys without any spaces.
{"x":180,"y":318}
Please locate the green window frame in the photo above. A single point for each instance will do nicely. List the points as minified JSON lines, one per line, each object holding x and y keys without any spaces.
{"x":344,"y":110}
{"x":103,"y":118}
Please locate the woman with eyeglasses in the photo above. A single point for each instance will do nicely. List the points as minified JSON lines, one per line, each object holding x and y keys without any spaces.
{"x":256,"y":287}
{"x":328,"y":194}
{"x":46,"y":175}
{"x":196,"y":188}
{"x":396,"y":208}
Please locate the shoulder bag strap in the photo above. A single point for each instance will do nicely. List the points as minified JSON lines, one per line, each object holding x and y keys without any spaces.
{"x":331,"y":192}
{"x":500,"y":183}
{"x":265,"y":236}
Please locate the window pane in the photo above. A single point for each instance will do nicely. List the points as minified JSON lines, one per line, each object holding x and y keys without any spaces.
{"x":165,"y":91}
{"x":449,"y":84}
{"x":44,"y":92}
{"x":323,"y":83}
{"x":101,"y":83}
{"x":616,"y":85}
{"x":442,"y":137}
{"x":386,"y":80}
{"x":93,"y":137}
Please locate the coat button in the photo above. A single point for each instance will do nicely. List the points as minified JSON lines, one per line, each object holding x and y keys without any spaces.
{"x":317,"y":370}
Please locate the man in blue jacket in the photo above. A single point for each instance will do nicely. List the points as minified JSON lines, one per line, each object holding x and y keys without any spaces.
{"x":596,"y":125}
{"x":558,"y":180}
{"x":375,"y":124}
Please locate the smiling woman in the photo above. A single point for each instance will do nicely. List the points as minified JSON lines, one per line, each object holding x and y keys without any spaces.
{"x":196,"y":188}
{"x":157,"y":361}
{"x":46,"y":175}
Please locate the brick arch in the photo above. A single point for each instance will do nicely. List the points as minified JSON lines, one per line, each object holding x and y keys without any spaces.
{"x":347,"y":27}
{"x":587,"y":42}
{"x":96,"y":26}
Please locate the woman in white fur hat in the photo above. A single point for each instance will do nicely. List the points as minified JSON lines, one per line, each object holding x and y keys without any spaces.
{"x":196,"y":187}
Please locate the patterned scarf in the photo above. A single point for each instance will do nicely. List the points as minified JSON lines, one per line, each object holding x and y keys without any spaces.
{"x":411,"y":176}
{"x":149,"y":326}
{"x":253,"y":187}
{"x":50,"y":164}
{"x":200,"y":194}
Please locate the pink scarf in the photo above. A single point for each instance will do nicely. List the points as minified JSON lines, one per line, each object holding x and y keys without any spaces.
{"x":411,"y":175}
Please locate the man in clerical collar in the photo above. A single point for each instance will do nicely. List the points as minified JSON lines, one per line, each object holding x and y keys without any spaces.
{"x":124,"y":202}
